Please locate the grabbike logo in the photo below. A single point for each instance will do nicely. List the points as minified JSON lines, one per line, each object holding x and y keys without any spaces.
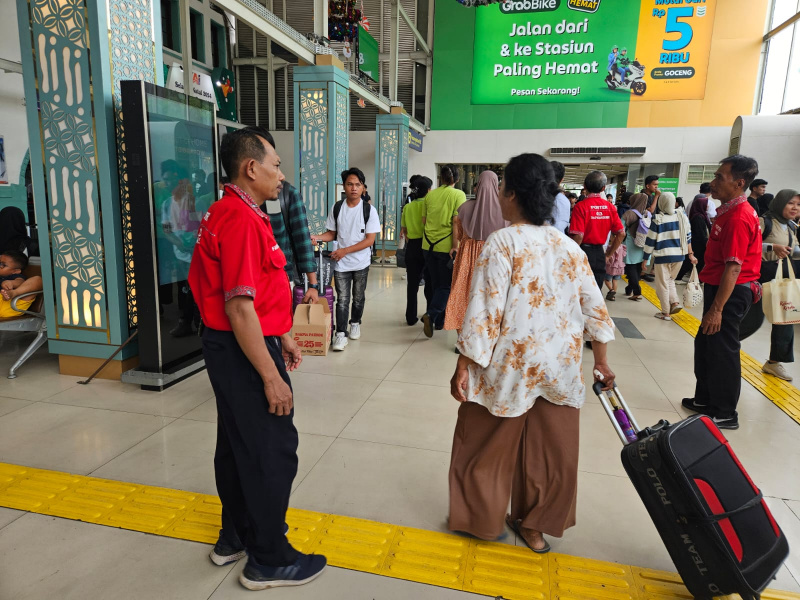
{"x":523,"y":6}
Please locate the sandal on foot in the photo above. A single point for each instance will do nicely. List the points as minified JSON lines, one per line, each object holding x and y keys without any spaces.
{"x":516,"y":527}
{"x":634,"y":298}
{"x":611,"y":296}
{"x":675,"y":309}
{"x":662,"y":316}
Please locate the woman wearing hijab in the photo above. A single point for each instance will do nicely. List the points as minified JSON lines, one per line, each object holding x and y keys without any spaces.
{"x":779,"y":241}
{"x":476,"y":220}
{"x":14,"y":233}
{"x":635,"y":255}
{"x":700,"y":225}
{"x":669,"y":242}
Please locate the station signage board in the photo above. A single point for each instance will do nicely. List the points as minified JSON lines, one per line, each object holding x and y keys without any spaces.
{"x":556,"y":51}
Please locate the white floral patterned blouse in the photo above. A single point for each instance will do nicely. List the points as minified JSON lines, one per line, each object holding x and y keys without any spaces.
{"x":533,"y":301}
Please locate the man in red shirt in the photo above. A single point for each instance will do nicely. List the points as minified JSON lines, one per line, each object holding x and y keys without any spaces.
{"x":238,"y":280}
{"x":591,"y":222}
{"x":731,"y":272}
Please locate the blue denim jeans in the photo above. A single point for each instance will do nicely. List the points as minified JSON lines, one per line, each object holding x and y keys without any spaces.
{"x":350,"y":283}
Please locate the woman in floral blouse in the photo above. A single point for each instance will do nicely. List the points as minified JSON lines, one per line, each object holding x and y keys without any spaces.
{"x":534,"y":300}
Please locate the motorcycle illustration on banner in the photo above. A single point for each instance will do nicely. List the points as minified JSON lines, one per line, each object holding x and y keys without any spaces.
{"x":624,"y":74}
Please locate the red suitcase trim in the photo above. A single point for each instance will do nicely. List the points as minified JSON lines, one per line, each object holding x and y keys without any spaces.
{"x":716,"y":507}
{"x":721,"y":438}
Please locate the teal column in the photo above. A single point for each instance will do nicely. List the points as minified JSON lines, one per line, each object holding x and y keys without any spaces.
{"x":391,"y":172}
{"x":322,"y":133}
{"x":74,"y":53}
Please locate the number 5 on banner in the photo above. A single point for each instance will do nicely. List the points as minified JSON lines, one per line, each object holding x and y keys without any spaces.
{"x":675,"y":26}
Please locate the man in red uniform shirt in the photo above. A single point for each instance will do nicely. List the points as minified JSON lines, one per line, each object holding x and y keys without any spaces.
{"x":240,"y":286}
{"x":730,"y":275}
{"x":591,"y":222}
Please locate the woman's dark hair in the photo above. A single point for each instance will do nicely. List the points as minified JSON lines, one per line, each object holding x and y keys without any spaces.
{"x":422,"y":187}
{"x":449,"y":174}
{"x":531,"y":178}
{"x":354,"y":171}
{"x":679,"y":202}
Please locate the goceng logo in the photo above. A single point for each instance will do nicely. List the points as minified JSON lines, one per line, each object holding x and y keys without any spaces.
{"x":523,"y":6}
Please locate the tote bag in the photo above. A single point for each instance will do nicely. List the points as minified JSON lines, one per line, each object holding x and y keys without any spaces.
{"x":782,"y":298}
{"x":693,"y":294}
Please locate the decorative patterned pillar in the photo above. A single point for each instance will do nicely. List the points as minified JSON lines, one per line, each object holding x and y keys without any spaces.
{"x":391,"y":171}
{"x":322,"y":133}
{"x":74,"y":53}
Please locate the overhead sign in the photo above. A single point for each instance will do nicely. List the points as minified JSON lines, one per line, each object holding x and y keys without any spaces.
{"x":225,"y":91}
{"x":668,"y":184}
{"x":415,"y":140}
{"x":368,"y":55}
{"x":201,"y":83}
{"x":543,"y":51}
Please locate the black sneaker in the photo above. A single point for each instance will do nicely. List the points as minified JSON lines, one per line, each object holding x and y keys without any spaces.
{"x":694,"y":406}
{"x":306,"y":568}
{"x":727,"y":422}
{"x":427,"y":325}
{"x":225,"y":554}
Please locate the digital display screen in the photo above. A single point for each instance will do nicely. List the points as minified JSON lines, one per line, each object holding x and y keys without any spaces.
{"x":171,"y":147}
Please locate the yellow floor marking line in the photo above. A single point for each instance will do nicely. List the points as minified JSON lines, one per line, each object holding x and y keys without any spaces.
{"x":429,"y":557}
{"x":781,"y":393}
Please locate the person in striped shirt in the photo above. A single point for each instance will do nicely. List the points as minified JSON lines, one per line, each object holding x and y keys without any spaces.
{"x":669,"y":241}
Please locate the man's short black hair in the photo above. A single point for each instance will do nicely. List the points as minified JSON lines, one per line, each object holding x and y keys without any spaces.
{"x":18,"y":258}
{"x":241,"y":145}
{"x":354,"y":171}
{"x":705,"y":188}
{"x":595,"y":182}
{"x":558,"y":170}
{"x":609,"y":195}
{"x":757,"y":183}
{"x":742,"y":167}
{"x":650,"y":179}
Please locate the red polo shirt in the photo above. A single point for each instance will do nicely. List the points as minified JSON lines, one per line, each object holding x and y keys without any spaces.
{"x":735,"y":237}
{"x":237,"y":255}
{"x":594,"y":218}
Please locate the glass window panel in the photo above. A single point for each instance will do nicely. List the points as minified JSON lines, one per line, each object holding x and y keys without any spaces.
{"x":778,"y":54}
{"x":784,"y":9}
{"x":791,"y":98}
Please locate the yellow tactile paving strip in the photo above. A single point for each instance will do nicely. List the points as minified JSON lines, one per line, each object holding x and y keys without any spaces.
{"x":781,"y":393}
{"x":433,"y":558}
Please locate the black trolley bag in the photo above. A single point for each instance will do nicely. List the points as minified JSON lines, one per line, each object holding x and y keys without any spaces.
{"x":710,"y":515}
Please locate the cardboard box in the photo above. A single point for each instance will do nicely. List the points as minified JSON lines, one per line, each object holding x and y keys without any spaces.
{"x":312,"y":328}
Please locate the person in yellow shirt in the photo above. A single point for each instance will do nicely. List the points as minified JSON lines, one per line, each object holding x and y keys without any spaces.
{"x":13,"y":283}
{"x":411,"y":223}
{"x":439,"y":209}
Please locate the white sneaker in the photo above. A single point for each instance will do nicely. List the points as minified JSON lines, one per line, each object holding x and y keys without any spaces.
{"x":340,"y":343}
{"x":777,"y":370}
{"x":355,"y":331}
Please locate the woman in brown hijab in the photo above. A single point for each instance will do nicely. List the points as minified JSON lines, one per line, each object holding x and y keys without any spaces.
{"x":476,"y":220}
{"x":635,"y":254}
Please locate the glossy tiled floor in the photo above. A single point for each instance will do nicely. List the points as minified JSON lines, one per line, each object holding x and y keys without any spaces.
{"x":376,"y":423}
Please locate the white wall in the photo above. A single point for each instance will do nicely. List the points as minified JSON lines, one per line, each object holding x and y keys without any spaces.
{"x":13,"y":123}
{"x":774,"y":141}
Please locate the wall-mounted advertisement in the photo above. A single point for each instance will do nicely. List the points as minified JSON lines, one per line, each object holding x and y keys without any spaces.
{"x":545,"y":51}
{"x":368,"y":54}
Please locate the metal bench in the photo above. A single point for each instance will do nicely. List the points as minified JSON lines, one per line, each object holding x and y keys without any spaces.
{"x":30,"y":320}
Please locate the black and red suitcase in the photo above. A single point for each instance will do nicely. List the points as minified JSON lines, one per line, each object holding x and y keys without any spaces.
{"x":710,"y":515}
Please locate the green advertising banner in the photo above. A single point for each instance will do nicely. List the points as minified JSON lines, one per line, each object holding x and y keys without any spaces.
{"x":367,"y":54}
{"x":545,"y":51}
{"x":668,"y":184}
{"x":225,"y":89}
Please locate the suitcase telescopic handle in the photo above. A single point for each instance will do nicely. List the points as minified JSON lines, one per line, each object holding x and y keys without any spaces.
{"x":607,"y":403}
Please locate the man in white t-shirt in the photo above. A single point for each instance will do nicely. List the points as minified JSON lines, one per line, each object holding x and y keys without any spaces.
{"x":353,"y":224}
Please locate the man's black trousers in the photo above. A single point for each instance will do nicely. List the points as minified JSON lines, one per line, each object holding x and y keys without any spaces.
{"x":256,"y":457}
{"x":597,"y":262}
{"x":717,"y":361}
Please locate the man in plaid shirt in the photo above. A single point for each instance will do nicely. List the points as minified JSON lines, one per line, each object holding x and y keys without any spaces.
{"x":294,"y":238}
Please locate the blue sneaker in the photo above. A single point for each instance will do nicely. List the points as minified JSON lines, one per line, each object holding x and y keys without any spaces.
{"x":306,"y":568}
{"x":225,"y":554}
